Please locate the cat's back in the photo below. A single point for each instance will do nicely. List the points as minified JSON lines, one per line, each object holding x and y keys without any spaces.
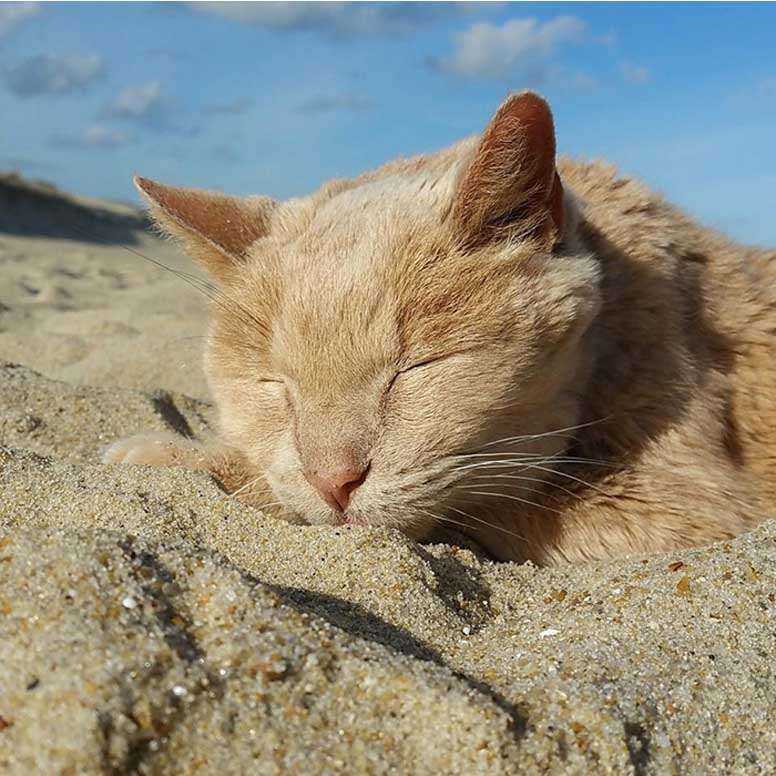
{"x":730,"y":285}
{"x":692,"y":289}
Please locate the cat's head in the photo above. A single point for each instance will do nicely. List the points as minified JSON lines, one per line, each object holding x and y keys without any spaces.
{"x":372,"y":343}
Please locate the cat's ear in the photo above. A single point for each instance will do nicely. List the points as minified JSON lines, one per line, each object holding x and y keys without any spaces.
{"x":511,"y":187}
{"x":215,"y":229}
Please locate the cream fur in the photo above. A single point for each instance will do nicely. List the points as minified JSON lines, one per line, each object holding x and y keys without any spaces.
{"x":600,"y":308}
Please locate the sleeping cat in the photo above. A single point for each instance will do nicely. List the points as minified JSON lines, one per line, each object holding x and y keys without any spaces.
{"x":551,"y":359}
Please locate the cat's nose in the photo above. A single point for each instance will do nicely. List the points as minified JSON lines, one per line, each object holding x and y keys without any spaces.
{"x":336,"y":486}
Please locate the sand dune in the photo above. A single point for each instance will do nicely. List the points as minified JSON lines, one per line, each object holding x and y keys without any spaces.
{"x":150,"y":624}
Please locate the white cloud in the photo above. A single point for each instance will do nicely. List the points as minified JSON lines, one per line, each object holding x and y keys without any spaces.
{"x":339,"y":19}
{"x":148,"y":105}
{"x":608,"y":39}
{"x":233,"y":107}
{"x":766,"y":87}
{"x":583,"y":81}
{"x":138,"y":101}
{"x":519,"y":45}
{"x":53,"y":74}
{"x":13,"y":14}
{"x":107,"y":137}
{"x":93,"y":136}
{"x":636,"y":74}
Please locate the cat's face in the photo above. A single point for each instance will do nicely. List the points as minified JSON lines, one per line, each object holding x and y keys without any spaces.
{"x":385,"y":334}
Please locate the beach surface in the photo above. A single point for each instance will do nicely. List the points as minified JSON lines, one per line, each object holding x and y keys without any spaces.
{"x":150,"y":624}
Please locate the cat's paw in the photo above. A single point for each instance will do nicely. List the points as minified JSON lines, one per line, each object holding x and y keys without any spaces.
{"x":155,"y":449}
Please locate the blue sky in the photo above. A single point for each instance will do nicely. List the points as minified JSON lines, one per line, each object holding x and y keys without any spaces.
{"x":274,"y":99}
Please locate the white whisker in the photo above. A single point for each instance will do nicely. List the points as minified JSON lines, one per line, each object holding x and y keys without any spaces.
{"x":444,"y":519}
{"x":478,"y":482}
{"x":528,"y":461}
{"x":529,"y":437}
{"x":515,"y":498}
{"x":568,"y":477}
{"x":490,"y":525}
{"x":247,"y":485}
{"x":528,"y":479}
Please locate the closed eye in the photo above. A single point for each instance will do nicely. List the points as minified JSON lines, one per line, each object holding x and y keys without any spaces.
{"x":413,"y":367}
{"x":422,"y":363}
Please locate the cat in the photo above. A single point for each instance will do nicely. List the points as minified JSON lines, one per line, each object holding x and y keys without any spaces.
{"x":540,"y":354}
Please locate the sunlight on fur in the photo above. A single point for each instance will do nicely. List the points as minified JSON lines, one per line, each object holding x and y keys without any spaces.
{"x":552,"y":360}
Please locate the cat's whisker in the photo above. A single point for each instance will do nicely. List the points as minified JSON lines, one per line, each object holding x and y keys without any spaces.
{"x":242,"y":488}
{"x":270,"y":504}
{"x":230,"y":341}
{"x":444,"y":519}
{"x":484,"y":480}
{"x":569,"y":477}
{"x":525,"y":462}
{"x":497,"y":453}
{"x":556,"y":432}
{"x":548,"y":483}
{"x":530,"y":456}
{"x":207,"y":289}
{"x":515,"y":498}
{"x":491,"y":525}
{"x":485,"y":523}
{"x":495,"y":463}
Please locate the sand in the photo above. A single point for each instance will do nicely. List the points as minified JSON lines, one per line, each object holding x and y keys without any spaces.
{"x":150,"y":624}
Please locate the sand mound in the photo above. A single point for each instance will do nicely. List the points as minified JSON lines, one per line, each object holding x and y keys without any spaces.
{"x":79,"y":302}
{"x":150,"y":624}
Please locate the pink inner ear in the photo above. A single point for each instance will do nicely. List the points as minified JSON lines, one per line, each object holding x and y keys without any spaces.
{"x":230,"y":223}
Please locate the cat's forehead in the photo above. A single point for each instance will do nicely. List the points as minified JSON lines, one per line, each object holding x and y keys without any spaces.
{"x":398,"y":196}
{"x":350,"y":245}
{"x":420,"y":188}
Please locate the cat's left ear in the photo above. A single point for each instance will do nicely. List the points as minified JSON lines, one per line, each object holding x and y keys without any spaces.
{"x":217,"y":230}
{"x":511,"y":186}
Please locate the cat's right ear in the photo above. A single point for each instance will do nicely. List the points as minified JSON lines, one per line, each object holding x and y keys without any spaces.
{"x":510,"y":188}
{"x":215,"y":229}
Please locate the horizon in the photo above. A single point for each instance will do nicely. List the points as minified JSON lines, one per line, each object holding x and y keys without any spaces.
{"x":277,"y":98}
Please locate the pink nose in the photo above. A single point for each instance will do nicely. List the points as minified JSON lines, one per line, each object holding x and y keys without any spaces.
{"x":336,"y":486}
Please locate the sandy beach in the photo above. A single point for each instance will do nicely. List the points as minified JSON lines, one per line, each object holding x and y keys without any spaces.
{"x":150,"y":624}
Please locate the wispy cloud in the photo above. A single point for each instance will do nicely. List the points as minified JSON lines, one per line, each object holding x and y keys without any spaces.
{"x":346,"y":101}
{"x":225,"y":152}
{"x":766,"y":87}
{"x":138,"y":101}
{"x":233,"y":107}
{"x":608,"y":39}
{"x":53,"y":74}
{"x":518,"y":46}
{"x":582,"y":81}
{"x":93,"y":136}
{"x":148,"y":105}
{"x":635,"y":74}
{"x":13,"y":14}
{"x":338,"y":19}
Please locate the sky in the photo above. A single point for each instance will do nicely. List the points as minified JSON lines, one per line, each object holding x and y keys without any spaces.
{"x":275,"y":98}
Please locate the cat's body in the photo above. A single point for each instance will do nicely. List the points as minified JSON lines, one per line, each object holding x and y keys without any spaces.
{"x":570,"y":371}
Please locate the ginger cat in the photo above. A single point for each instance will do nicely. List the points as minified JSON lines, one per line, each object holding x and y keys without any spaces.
{"x":552,"y":358}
